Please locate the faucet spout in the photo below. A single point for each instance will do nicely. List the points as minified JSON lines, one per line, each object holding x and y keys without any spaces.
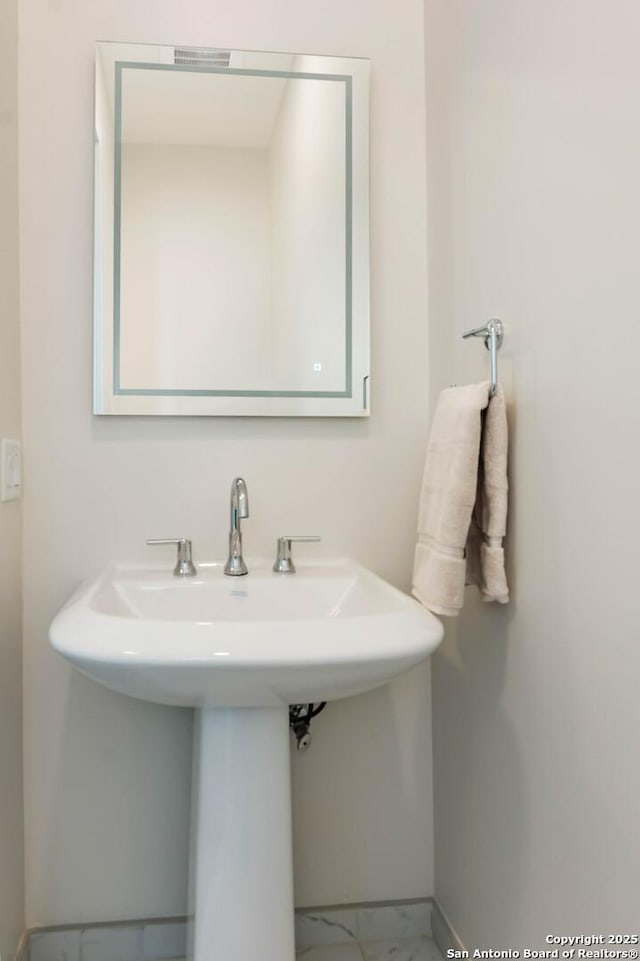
{"x":235,"y":565}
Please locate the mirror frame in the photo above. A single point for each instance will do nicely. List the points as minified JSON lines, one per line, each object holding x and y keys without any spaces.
{"x":109,"y":397}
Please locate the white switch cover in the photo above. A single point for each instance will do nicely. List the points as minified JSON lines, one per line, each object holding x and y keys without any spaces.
{"x":10,"y":470}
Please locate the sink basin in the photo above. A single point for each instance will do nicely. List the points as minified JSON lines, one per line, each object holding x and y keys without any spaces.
{"x":241,"y":650}
{"x":265,"y":640}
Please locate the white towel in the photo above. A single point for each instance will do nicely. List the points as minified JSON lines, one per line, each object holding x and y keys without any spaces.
{"x":463,"y":503}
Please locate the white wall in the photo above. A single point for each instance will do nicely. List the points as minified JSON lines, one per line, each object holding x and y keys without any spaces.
{"x":536,"y":707}
{"x":194,"y":266}
{"x":307,"y":194}
{"x":106,"y":777}
{"x":11,"y":820}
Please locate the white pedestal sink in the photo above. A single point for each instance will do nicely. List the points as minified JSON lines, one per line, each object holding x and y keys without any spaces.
{"x":240,"y":650}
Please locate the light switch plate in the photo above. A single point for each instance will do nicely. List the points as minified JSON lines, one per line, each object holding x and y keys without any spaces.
{"x":10,"y":470}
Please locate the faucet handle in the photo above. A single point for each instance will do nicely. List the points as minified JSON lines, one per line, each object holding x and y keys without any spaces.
{"x":184,"y":564}
{"x":284,"y":562}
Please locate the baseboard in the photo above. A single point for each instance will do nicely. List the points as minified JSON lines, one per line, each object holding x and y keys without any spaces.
{"x":23,"y":945}
{"x":443,"y":932}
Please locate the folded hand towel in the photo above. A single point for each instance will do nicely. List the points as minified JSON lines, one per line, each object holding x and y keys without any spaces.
{"x":463,"y":504}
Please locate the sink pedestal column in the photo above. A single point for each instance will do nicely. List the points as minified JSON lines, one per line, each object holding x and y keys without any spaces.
{"x":241,"y":892}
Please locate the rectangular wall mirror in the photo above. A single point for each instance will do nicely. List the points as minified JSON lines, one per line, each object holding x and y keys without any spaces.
{"x":231,"y":233}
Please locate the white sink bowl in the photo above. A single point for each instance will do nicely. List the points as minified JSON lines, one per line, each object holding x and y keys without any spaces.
{"x":263,"y":640}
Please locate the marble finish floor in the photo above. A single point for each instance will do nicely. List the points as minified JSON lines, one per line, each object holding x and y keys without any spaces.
{"x":400,"y":949}
{"x":399,"y":931}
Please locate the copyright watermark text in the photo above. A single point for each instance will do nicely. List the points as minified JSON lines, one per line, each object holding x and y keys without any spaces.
{"x":564,"y":947}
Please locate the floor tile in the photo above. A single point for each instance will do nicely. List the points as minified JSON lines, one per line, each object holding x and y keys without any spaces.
{"x":394,"y":921}
{"x":331,"y":952}
{"x":405,"y":949}
{"x":326,"y":927}
{"x":112,"y":943}
{"x":163,"y":940}
{"x":55,"y":946}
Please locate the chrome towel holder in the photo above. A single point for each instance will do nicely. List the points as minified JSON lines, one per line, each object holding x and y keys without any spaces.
{"x":493,"y":333}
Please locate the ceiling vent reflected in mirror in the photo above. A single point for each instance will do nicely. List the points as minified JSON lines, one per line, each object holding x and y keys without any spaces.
{"x":202,"y":56}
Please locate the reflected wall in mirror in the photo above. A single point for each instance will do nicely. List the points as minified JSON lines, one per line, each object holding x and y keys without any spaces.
{"x":231,"y":233}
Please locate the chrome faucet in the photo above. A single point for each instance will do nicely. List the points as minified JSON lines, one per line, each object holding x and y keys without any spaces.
{"x":239,"y":508}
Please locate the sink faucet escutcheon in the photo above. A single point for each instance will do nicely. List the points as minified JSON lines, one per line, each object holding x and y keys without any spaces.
{"x":235,"y":565}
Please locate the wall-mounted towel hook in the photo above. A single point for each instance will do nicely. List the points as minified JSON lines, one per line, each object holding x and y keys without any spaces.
{"x":493,"y":334}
